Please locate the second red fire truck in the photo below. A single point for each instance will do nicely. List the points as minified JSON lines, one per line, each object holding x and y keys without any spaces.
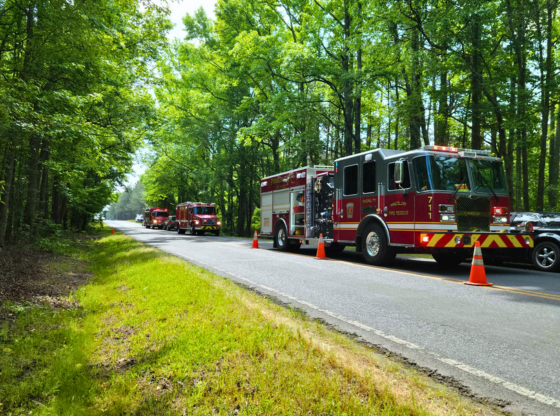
{"x":155,"y":217}
{"x":197,"y":218}
{"x":437,"y":200}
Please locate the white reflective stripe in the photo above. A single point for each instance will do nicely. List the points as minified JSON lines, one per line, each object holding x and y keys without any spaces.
{"x":478,"y":262}
{"x":431,"y":226}
{"x":406,"y":226}
{"x":347,"y":226}
{"x":477,"y":251}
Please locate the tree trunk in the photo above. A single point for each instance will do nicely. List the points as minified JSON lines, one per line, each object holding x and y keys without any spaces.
{"x":8,"y":178}
{"x":476,"y":87}
{"x":32,"y":181}
{"x":442,"y":137}
{"x":545,"y":97}
{"x":553,"y":165}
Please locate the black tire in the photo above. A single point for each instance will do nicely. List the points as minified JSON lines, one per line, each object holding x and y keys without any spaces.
{"x":448,"y":259}
{"x":334,"y":248}
{"x":378,"y":253}
{"x":546,"y":256}
{"x":281,"y":240}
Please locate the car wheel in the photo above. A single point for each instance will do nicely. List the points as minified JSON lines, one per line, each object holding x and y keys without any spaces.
{"x":546,"y":256}
{"x":281,"y":238}
{"x":448,"y":259}
{"x":375,"y":247}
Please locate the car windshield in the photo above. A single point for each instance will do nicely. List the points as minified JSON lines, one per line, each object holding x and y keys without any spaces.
{"x":441,"y":173}
{"x":205,"y":210}
{"x":488,"y":175}
{"x":161,"y":214}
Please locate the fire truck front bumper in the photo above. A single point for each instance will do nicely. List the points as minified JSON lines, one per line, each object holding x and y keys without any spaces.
{"x":467,"y":240}
{"x":207,"y":228}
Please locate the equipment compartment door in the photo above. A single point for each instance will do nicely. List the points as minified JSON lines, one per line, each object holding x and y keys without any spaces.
{"x":266,"y":213}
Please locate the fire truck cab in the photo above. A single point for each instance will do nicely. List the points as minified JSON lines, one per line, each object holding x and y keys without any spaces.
{"x":155,"y":217}
{"x":198,"y":218}
{"x":437,"y":200}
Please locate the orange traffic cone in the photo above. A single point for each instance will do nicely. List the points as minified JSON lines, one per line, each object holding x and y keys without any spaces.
{"x":255,"y":241}
{"x":112,"y":231}
{"x":478,"y":274}
{"x":321,"y":249}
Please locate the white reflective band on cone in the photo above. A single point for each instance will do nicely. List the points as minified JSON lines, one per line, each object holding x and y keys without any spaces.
{"x":477,"y":262}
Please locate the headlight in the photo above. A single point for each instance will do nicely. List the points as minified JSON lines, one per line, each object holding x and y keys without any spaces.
{"x":500,"y":219}
{"x":197,"y":222}
{"x":218,"y":222}
{"x":447,"y":218}
{"x":154,"y":221}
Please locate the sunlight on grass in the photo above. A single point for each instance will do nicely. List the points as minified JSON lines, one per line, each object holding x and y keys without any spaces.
{"x":157,"y":335}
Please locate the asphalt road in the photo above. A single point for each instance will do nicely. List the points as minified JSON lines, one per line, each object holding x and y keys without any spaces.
{"x":503,"y":343}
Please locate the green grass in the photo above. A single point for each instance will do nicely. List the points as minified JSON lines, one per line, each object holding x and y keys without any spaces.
{"x":156,"y":335}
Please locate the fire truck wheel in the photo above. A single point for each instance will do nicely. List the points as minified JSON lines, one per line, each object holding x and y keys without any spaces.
{"x":546,"y":256}
{"x":281,"y":238}
{"x":448,"y":259}
{"x":376,"y":249}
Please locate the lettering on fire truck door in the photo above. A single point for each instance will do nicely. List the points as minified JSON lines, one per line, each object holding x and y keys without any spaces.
{"x":398,"y":207}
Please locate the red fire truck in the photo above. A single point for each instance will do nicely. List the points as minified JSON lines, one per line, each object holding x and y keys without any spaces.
{"x":198,"y":218}
{"x":155,"y":217}
{"x":438,"y":200}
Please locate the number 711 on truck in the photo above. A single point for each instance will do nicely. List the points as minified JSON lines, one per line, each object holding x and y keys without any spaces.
{"x":438,"y":200}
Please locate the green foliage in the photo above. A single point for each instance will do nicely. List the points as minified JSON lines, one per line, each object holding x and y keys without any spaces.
{"x":130,"y":203}
{"x":77,"y":104}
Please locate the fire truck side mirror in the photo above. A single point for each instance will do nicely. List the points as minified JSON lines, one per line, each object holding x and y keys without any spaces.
{"x":399,"y":172}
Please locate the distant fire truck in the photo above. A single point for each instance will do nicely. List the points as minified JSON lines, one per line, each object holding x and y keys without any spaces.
{"x":155,"y":217}
{"x":198,"y":218}
{"x":438,"y":200}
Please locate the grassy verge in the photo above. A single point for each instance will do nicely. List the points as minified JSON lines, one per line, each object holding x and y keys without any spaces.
{"x":152,"y":334}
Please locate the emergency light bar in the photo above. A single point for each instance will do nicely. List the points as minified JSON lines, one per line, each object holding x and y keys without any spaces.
{"x":442,"y":148}
{"x":461,"y":152}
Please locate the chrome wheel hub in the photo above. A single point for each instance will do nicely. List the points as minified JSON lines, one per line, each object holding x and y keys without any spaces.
{"x":281,"y":237}
{"x":373,"y":244}
{"x":546,"y":257}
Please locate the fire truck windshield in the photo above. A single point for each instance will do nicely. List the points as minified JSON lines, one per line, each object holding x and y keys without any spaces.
{"x":488,"y":176}
{"x":161,"y":214}
{"x":205,"y":210}
{"x":441,"y":173}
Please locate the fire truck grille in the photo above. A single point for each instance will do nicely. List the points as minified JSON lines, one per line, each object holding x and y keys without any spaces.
{"x":209,"y":222}
{"x":473,"y":214}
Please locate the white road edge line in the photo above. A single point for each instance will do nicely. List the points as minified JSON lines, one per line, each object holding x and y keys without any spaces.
{"x":457,"y":364}
{"x":464,"y":367}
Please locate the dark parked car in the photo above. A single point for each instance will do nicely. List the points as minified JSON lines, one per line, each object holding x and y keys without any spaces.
{"x":170,"y":223}
{"x":546,"y":227}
